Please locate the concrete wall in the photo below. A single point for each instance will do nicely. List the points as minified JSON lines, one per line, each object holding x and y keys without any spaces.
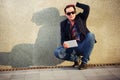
{"x":29,"y":31}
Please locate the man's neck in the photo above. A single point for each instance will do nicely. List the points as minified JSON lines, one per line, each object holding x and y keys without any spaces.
{"x":72,"y":22}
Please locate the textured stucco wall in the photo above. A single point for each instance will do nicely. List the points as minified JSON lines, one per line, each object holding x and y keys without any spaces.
{"x":29,"y":31}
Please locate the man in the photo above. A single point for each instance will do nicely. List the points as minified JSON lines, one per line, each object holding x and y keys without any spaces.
{"x":74,"y":28}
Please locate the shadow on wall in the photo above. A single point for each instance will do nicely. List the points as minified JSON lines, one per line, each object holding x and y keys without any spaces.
{"x":48,"y":36}
{"x":41,"y":52}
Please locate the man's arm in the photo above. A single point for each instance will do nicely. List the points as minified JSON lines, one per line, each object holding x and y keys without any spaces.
{"x":62,"y":33}
{"x":85,"y":8}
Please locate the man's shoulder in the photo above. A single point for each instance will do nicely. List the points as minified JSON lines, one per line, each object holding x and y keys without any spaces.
{"x":64,"y":21}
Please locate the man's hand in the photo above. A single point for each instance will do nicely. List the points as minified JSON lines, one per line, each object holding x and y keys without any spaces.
{"x":65,"y":45}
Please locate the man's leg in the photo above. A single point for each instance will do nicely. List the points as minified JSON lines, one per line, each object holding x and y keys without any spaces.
{"x":86,"y":48}
{"x":65,"y":54}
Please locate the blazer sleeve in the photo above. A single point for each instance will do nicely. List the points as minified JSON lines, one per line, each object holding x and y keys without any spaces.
{"x":86,"y":10}
{"x":62,"y":32}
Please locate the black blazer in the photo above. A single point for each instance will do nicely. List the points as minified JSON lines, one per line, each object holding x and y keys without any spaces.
{"x":80,"y":21}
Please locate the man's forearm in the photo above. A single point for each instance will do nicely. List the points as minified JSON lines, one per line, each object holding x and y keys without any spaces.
{"x":83,"y":6}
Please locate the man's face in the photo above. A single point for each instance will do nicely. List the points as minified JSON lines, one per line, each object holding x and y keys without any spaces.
{"x":70,"y":13}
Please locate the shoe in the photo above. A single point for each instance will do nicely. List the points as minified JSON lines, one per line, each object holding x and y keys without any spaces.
{"x":82,"y":66}
{"x":76,"y":63}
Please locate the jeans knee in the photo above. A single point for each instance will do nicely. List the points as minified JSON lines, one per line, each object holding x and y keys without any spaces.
{"x":56,"y":53}
{"x":91,"y":37}
{"x":60,"y":52}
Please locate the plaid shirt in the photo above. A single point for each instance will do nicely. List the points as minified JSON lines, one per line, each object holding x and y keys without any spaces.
{"x":75,"y":34}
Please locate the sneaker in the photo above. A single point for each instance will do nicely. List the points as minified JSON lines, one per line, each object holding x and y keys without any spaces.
{"x":82,"y":66}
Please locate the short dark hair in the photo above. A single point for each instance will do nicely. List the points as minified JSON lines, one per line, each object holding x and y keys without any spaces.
{"x":70,"y":5}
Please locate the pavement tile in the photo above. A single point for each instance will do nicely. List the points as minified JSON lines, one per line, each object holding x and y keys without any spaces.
{"x":16,"y":76}
{"x":100,"y":73}
{"x":17,"y":79}
{"x":5,"y":76}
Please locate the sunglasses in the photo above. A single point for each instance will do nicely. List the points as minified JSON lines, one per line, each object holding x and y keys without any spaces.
{"x":69,"y":13}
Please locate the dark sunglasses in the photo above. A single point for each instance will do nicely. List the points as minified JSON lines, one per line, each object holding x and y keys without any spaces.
{"x":69,"y":13}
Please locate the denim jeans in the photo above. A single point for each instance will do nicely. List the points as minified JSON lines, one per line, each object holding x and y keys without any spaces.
{"x":84,"y":49}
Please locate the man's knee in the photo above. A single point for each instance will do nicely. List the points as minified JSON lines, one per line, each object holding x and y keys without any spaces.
{"x":91,"y":37}
{"x":56,"y":52}
{"x":60,"y":53}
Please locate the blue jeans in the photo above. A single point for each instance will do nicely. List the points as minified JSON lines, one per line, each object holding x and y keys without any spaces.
{"x":84,"y":49}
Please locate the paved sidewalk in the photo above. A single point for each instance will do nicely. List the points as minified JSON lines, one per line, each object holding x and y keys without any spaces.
{"x":95,"y":73}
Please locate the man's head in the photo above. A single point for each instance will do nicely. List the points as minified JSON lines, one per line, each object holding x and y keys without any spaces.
{"x":70,"y":12}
